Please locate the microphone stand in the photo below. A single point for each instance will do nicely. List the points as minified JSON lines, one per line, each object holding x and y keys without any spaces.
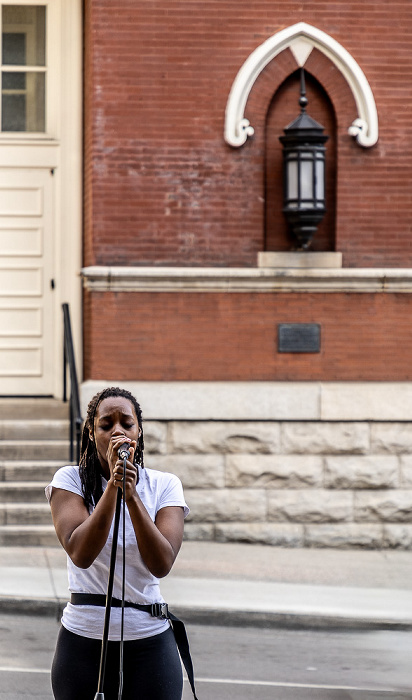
{"x":103,"y":657}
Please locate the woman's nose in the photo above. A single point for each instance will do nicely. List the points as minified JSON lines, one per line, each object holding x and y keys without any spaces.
{"x":117,"y":431}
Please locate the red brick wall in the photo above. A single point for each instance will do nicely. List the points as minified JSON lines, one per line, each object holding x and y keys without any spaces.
{"x":144,"y":336}
{"x":162,"y":187}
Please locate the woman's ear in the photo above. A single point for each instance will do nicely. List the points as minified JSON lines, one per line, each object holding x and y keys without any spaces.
{"x":90,"y":436}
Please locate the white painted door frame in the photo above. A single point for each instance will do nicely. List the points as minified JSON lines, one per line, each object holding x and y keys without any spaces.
{"x":58,"y":150}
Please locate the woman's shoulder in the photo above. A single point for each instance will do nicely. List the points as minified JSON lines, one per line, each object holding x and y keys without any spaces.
{"x":163,"y":489}
{"x":66,"y":478}
{"x":69,"y":472}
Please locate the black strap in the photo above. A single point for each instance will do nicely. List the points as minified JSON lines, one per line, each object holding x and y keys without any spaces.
{"x":156,"y":610}
{"x":183,"y":645}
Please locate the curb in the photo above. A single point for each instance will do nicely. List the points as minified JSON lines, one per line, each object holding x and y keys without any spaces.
{"x":230,"y":618}
{"x":291,"y":620}
{"x":32,"y":606}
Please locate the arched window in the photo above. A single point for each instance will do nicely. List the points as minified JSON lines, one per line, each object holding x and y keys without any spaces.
{"x":264,"y":99}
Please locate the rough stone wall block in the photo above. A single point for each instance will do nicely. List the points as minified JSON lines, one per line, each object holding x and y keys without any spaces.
{"x":199,"y":532}
{"x":344,"y":536}
{"x":393,"y":438}
{"x":195,"y":471}
{"x":224,"y":505}
{"x":155,"y":437}
{"x":397,"y":536}
{"x":225,"y":437}
{"x":406,"y":471}
{"x":275,"y":534}
{"x":325,"y":438}
{"x":361,"y":472}
{"x":383,"y":506}
{"x":274,"y":471}
{"x":317,"y":506}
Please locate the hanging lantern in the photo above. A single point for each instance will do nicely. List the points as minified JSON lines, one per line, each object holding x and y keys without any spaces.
{"x":304,"y":173}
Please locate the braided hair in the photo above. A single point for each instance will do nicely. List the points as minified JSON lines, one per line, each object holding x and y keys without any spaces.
{"x":89,"y":465}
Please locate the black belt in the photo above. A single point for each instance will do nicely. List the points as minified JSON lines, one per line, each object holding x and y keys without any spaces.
{"x":155,"y":609}
{"x":160,"y":610}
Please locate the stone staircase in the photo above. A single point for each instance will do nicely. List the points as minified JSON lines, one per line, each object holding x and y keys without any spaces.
{"x":34,"y":443}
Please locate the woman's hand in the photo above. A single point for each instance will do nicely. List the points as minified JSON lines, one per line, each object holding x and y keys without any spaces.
{"x":116,"y":465}
{"x":131,"y":478}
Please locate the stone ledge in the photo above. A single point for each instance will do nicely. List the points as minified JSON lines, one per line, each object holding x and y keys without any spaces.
{"x":266,"y":401}
{"x":253,"y":279}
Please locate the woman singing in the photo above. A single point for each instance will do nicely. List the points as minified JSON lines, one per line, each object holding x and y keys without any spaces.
{"x":83,"y":502}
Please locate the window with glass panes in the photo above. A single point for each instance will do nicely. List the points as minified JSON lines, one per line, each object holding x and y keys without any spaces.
{"x":23,"y":68}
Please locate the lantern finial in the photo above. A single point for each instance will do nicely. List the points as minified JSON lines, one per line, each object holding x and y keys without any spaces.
{"x":303,"y":100}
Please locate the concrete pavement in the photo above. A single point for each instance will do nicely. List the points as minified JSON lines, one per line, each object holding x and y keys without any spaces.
{"x":241,"y":584}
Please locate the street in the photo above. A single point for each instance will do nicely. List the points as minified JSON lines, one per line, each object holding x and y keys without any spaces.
{"x":241,"y":663}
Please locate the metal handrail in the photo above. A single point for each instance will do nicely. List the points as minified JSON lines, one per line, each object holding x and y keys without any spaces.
{"x":69,"y":359}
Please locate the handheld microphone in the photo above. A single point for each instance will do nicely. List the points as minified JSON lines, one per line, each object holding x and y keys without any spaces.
{"x":124,"y":451}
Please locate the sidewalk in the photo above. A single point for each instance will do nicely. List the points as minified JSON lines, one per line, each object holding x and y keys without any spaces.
{"x":241,"y":584}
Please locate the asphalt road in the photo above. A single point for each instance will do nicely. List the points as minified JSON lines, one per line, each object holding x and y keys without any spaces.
{"x":239,"y":663}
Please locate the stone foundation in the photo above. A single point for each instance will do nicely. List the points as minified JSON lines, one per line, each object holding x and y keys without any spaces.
{"x":291,"y":483}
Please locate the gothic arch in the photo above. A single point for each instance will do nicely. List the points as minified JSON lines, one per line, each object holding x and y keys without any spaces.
{"x":301,"y":38}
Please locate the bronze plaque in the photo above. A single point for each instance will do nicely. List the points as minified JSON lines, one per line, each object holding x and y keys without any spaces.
{"x":299,"y":337}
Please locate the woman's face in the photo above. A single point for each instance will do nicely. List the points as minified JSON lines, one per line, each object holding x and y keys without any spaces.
{"x":115,"y":416}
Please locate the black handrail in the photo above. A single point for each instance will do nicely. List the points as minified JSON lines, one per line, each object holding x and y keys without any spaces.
{"x":69,"y":359}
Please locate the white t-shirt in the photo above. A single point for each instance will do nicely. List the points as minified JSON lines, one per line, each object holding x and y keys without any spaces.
{"x":156,"y":490}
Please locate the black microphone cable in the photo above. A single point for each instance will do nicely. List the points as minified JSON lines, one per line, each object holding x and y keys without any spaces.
{"x":124,"y":453}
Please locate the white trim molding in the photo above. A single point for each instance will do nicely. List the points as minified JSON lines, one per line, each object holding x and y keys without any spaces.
{"x":233,"y":279}
{"x":301,"y":38}
{"x":265,"y":401}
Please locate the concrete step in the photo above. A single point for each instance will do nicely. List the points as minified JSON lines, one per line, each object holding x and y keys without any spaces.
{"x":28,"y":408}
{"x":28,"y":536}
{"x":30,"y":470}
{"x":31,"y":429}
{"x":15,"y":492}
{"x":24,"y":514}
{"x":34,"y":444}
{"x":34,"y":449}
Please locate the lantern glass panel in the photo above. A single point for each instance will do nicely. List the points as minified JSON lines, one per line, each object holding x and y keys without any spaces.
{"x":320,"y":181}
{"x":292,"y":178}
{"x":306,"y":181}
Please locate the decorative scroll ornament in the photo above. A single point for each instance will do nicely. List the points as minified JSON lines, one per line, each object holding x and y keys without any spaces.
{"x":364,"y":127}
{"x":359,"y":129}
{"x":242,"y":132}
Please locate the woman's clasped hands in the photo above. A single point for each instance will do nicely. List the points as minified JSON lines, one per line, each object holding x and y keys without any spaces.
{"x":116,"y":465}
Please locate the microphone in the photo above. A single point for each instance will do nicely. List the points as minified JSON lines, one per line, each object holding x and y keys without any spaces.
{"x":124,"y":451}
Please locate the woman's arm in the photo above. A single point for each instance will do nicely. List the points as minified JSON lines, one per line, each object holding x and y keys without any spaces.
{"x":83,"y":536}
{"x":159,"y":542}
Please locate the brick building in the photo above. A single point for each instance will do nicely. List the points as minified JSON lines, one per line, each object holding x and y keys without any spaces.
{"x":163,"y":211}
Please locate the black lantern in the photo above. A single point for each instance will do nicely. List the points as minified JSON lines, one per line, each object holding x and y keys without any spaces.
{"x":304,"y":173}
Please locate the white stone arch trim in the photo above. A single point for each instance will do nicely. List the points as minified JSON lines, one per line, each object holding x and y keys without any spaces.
{"x":301,"y":38}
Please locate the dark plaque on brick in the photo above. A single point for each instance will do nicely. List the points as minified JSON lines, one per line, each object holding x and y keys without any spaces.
{"x":298,"y":337}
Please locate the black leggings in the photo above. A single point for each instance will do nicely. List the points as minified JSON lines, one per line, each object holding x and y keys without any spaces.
{"x":152,"y":668}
